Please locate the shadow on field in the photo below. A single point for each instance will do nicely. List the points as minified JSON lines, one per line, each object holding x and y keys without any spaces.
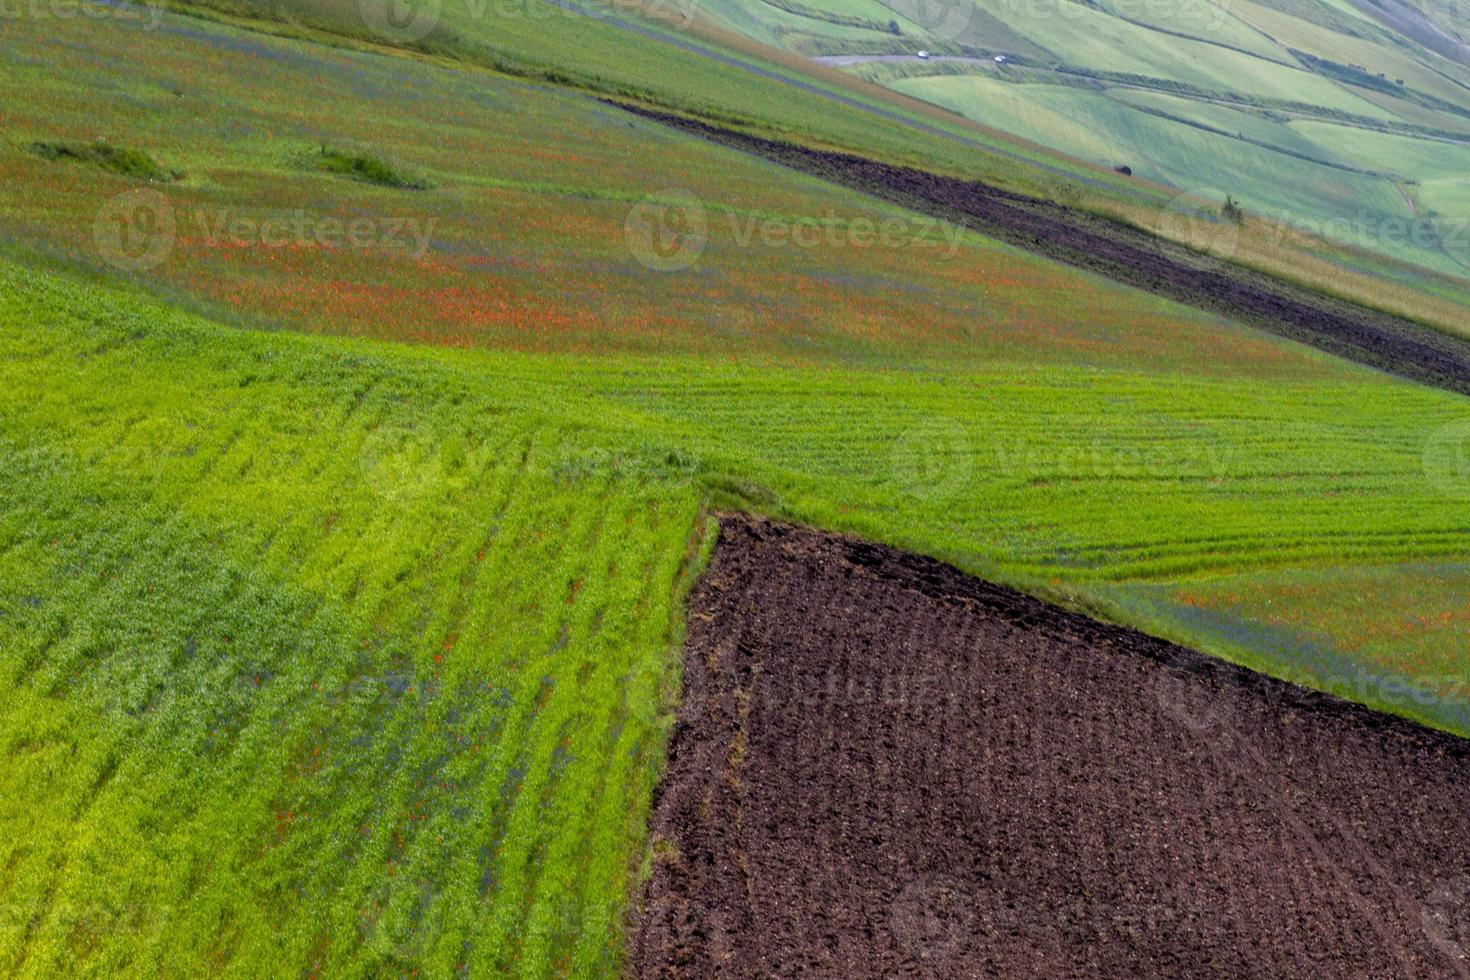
{"x":883,"y":767}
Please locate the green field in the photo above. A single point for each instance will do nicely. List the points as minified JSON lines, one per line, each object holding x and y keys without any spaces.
{"x":1252,"y":100}
{"x":668,"y":53}
{"x":391,"y":690}
{"x":286,"y":697}
{"x":341,"y":576}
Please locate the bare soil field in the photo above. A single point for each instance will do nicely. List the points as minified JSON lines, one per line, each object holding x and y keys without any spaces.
{"x":1128,"y":255}
{"x":883,"y":767}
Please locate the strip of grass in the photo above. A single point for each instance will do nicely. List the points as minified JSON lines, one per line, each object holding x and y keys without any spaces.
{"x":365,"y":167}
{"x":114,"y":159}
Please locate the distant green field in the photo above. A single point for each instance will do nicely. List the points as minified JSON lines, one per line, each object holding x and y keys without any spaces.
{"x":1317,"y":176}
{"x":1100,"y":80}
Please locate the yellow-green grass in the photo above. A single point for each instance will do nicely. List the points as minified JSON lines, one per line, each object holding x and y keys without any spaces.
{"x":312,"y":665}
{"x":338,"y":658}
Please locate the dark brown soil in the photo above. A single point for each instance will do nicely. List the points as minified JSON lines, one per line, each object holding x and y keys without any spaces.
{"x":885,"y":768}
{"x":1128,"y":255}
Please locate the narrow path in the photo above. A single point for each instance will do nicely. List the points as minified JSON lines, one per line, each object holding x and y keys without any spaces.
{"x":847,"y":60}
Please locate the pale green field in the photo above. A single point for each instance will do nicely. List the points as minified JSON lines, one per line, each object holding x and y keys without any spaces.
{"x":1219,"y":66}
{"x":1280,"y":185}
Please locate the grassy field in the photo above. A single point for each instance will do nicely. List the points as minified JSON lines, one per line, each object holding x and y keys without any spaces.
{"x":383,"y":695}
{"x":523,"y":238}
{"x":353,"y":654}
{"x":1093,"y":124}
{"x":1199,"y":96}
{"x":391,"y":691}
{"x":671,"y":55}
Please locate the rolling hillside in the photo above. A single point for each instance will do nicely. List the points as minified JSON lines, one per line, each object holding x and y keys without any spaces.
{"x":366,"y":400}
{"x":1336,"y":119}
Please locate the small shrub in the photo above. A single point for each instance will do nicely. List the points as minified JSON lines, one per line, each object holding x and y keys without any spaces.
{"x":1232,"y":211}
{"x":113,"y":159}
{"x":368,"y":168}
